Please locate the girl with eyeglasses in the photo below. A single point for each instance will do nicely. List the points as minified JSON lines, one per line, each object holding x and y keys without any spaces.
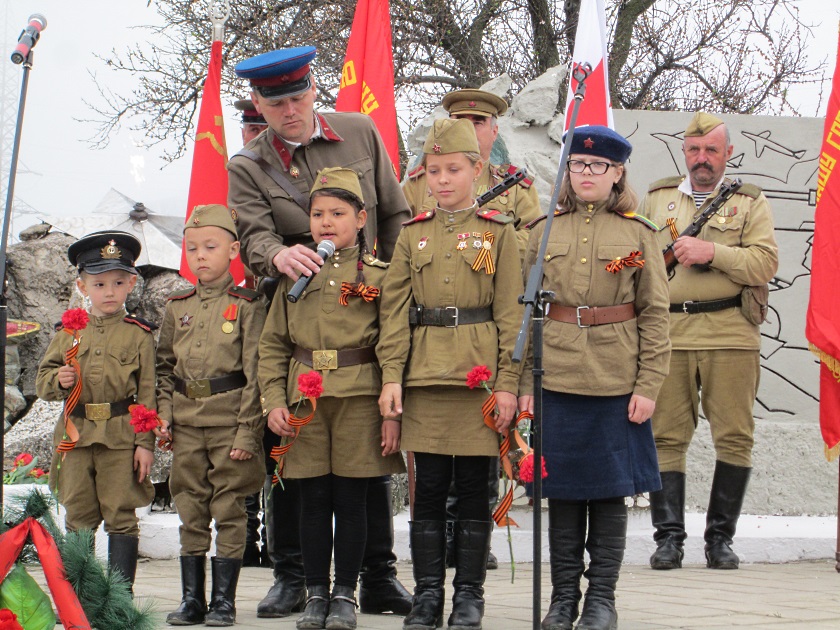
{"x":605,"y":358}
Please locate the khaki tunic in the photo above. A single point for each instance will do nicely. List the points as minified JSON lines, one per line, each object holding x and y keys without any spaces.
{"x":746,"y":254}
{"x":116,"y":358}
{"x":317,"y":321}
{"x":521,"y":202}
{"x":428,"y":269}
{"x":610,"y":359}
{"x":269,"y":219}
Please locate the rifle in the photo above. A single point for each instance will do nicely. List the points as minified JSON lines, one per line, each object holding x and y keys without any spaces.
{"x":727,"y":189}
{"x":508,"y":182}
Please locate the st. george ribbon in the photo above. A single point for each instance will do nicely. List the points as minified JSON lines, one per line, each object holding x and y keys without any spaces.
{"x":29,"y":37}
{"x":325,"y":250}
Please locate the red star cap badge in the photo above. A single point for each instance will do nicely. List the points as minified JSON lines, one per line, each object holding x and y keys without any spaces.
{"x":589,"y":143}
{"x":324,"y":179}
{"x":472,"y":103}
{"x":436,"y":148}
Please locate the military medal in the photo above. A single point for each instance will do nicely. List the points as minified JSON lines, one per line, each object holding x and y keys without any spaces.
{"x":294,"y":171}
{"x":462,"y":245}
{"x":484,"y":260}
{"x":477,"y":244}
{"x":672,"y":205}
{"x":186,"y":320}
{"x":230,"y":315}
{"x":423,"y":242}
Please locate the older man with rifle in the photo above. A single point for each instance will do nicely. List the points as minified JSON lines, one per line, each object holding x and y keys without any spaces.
{"x":718,"y":299}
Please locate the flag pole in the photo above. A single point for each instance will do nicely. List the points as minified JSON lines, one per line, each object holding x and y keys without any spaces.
{"x":219,"y":14}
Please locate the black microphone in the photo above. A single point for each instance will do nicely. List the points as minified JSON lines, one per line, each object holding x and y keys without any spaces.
{"x":29,"y":37}
{"x":325,"y":250}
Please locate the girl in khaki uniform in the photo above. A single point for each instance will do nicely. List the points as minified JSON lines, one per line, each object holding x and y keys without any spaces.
{"x":332,"y":328}
{"x":451,"y":295}
{"x":606,"y":356}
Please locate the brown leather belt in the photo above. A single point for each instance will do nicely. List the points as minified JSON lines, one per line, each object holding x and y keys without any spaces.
{"x":585,"y":316}
{"x":448,"y":316}
{"x":706,"y":306}
{"x":334,"y":359}
{"x":102,"y":411}
{"x":204,"y":387}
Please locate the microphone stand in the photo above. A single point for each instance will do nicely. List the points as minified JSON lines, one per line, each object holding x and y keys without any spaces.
{"x":4,"y":241}
{"x":534,"y":301}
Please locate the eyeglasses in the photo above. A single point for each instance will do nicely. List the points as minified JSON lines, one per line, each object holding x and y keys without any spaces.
{"x":596,"y":168}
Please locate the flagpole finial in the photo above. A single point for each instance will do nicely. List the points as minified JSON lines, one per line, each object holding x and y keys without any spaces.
{"x":219,"y":14}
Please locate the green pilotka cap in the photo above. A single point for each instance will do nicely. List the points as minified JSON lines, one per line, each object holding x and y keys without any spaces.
{"x":701,"y":124}
{"x":214,"y":214}
{"x":340,"y":178}
{"x":451,"y":135}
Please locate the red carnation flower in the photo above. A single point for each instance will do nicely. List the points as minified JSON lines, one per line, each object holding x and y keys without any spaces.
{"x":37,"y":472}
{"x":478,"y":376}
{"x":74,"y":319}
{"x":24,"y":459}
{"x":311,"y":384}
{"x":526,"y":468}
{"x":143,"y":419}
{"x":8,"y":620}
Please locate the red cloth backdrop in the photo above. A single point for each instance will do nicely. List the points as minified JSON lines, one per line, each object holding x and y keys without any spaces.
{"x":822,"y":326}
{"x":591,"y":47}
{"x":367,"y":78}
{"x":209,"y":180}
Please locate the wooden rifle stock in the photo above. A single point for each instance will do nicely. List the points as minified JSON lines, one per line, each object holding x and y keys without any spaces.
{"x":727,"y":189}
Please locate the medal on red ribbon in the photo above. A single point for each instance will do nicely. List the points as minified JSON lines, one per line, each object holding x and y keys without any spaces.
{"x":230,"y":315}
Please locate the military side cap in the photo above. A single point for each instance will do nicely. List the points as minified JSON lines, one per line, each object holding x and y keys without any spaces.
{"x":250,"y":115}
{"x":340,"y":178}
{"x":701,"y":124}
{"x":600,"y":141}
{"x":279,"y":73}
{"x":474,"y":102}
{"x":105,"y":251}
{"x":214,"y":214}
{"x":451,"y":135}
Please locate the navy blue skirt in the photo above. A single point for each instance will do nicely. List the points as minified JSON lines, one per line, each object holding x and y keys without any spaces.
{"x":592,"y":451}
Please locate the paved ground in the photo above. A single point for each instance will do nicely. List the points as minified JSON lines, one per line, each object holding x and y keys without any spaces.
{"x":772,"y":596}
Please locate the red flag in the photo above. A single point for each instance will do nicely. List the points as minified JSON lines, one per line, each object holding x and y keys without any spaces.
{"x":591,"y":47}
{"x":822,"y":327}
{"x":208,"y":181}
{"x":367,"y":78}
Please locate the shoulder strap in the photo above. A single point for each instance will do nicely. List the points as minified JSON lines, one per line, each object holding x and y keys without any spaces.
{"x":279,"y":178}
{"x":244,"y":293}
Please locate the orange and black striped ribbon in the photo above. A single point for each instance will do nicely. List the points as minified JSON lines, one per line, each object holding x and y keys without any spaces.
{"x":500,"y":515}
{"x":633,"y":260}
{"x":484,"y":258}
{"x":278,"y":452}
{"x":68,"y":443}
{"x":671,"y":223}
{"x":367,"y":293}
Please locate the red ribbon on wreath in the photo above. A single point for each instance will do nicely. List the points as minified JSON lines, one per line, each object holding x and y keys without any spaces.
{"x":11,"y":543}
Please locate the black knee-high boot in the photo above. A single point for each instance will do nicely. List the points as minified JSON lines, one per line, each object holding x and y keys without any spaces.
{"x":428,"y":547}
{"x":222,"y":611}
{"x":566,"y":538}
{"x":193,"y":606}
{"x":472,"y":543}
{"x":605,"y":543}
{"x":667,"y":513}
{"x":122,"y":556}
{"x":729,"y":486}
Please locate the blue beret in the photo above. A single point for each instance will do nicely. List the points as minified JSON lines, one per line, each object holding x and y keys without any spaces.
{"x":279,"y":73}
{"x":602,"y":142}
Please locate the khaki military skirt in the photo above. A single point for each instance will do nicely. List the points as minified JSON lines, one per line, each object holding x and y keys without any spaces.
{"x":447,"y":420}
{"x":344,"y":438}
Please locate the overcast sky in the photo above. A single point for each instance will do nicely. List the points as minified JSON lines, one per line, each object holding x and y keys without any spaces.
{"x":59,"y":174}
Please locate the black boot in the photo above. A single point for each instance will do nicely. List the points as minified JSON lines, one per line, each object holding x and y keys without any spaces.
{"x":667,"y":512}
{"x":605,"y":543}
{"x":728,"y":489}
{"x":342,"y":609}
{"x":122,"y":556}
{"x":282,"y":520}
{"x":222,"y":610}
{"x":450,"y":539}
{"x":428,"y":544}
{"x":193,"y":606}
{"x":380,"y":591}
{"x":252,"y":531}
{"x":472,"y":543}
{"x":493,"y":498}
{"x":566,"y":537}
{"x":317,"y":605}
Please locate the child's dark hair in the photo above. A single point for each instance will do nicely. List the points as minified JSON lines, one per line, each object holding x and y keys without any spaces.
{"x":358,"y":204}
